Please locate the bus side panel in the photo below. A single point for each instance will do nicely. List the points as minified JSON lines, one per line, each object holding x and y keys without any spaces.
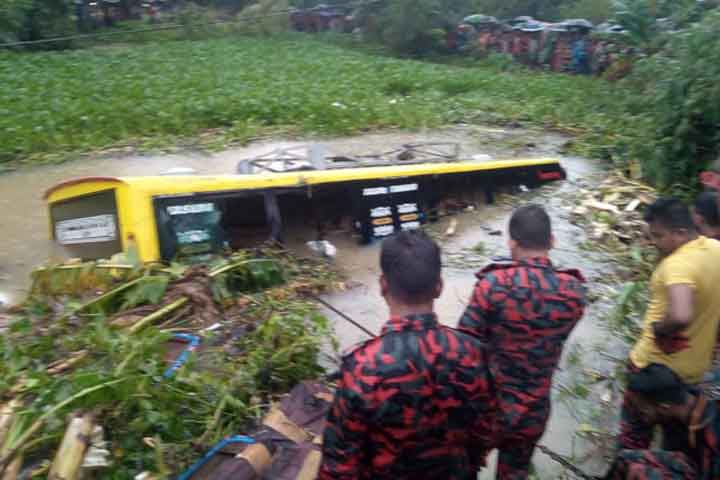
{"x":140,"y":224}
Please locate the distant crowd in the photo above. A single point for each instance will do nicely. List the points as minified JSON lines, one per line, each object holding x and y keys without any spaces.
{"x":572,"y":46}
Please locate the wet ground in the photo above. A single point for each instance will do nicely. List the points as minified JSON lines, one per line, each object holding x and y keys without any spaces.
{"x":480,"y":233}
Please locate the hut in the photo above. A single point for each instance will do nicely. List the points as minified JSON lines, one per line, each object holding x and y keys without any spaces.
{"x":529,"y":39}
{"x":486,"y":29}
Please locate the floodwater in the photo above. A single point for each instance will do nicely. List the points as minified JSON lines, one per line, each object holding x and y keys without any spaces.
{"x":480,"y":233}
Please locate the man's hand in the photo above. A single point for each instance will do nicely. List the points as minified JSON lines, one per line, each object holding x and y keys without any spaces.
{"x":710,"y":179}
{"x":673,"y":343}
{"x":679,"y":316}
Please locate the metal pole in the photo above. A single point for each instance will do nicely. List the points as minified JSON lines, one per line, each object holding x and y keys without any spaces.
{"x":565,"y":463}
{"x":341,"y":314}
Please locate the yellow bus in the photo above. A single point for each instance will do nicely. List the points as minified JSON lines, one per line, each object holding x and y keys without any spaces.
{"x":166,"y":217}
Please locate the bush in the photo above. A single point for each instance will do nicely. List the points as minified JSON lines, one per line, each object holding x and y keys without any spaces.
{"x":502,"y":61}
{"x":195,"y":21}
{"x":28,"y":20}
{"x":273,"y":23}
{"x":406,"y":27}
{"x":597,"y":11}
{"x":415,"y":27}
{"x":12,"y":17}
{"x":680,"y":107}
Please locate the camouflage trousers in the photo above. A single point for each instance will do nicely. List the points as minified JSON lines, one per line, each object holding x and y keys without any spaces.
{"x":635,"y":433}
{"x":522,"y":422}
{"x":651,"y":465}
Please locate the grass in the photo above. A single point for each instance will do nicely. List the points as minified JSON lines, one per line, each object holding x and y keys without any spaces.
{"x":57,"y":104}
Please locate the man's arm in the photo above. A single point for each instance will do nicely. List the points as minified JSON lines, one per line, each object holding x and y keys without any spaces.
{"x":486,"y":430}
{"x":345,"y":436}
{"x":680,"y":311}
{"x":477,"y":313}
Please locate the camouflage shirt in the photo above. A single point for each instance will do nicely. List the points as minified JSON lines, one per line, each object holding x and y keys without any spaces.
{"x":524,"y":311}
{"x":414,"y":403}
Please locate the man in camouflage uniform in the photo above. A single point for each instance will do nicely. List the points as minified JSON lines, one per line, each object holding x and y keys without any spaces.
{"x":524,"y":309}
{"x":417,"y":401}
{"x":691,"y":446}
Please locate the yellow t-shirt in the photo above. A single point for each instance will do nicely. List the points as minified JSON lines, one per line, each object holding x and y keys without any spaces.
{"x":697,"y":264}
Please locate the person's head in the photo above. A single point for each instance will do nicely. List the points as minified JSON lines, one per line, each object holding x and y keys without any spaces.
{"x":411,"y":265}
{"x":670,"y":224}
{"x":659,"y":395}
{"x":530,"y":232}
{"x":706,"y":214}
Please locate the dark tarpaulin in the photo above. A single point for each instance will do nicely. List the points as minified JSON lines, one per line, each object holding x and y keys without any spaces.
{"x":292,"y":447}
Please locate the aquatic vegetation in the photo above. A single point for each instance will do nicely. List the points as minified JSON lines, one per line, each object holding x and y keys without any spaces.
{"x":237,"y":88}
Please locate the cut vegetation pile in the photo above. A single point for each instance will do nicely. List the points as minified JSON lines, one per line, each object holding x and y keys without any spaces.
{"x":125,"y":370}
{"x":610,"y":210}
{"x":238,"y":88}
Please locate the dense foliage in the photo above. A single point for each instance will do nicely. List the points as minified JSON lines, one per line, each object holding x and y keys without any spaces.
{"x":65,"y":354}
{"x":679,"y":109}
{"x":35,"y":19}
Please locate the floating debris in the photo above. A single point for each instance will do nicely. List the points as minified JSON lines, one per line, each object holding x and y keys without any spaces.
{"x":452,"y":228}
{"x":611,"y":211}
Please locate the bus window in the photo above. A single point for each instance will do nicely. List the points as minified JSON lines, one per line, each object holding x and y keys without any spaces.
{"x":86,"y":227}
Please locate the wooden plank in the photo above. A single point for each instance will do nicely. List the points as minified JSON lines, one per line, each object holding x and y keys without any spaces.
{"x":311,"y":466}
{"x":277,"y":420}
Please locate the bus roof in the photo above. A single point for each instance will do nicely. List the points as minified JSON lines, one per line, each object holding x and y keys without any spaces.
{"x":185,"y":184}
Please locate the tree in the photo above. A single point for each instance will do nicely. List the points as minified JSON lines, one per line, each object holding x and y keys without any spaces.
{"x":640,"y":17}
{"x":417,"y":26}
{"x":12,"y":18}
{"x":597,"y":11}
{"x":541,"y":9}
{"x":680,"y":107}
{"x":35,"y":19}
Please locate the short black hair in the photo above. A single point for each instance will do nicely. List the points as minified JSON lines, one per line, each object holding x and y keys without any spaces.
{"x":658,"y":383}
{"x":410,"y":261}
{"x":670,"y":213}
{"x":530,"y":227}
{"x":706,"y":205}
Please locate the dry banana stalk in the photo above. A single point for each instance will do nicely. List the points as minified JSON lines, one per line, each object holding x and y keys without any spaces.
{"x":70,"y":455}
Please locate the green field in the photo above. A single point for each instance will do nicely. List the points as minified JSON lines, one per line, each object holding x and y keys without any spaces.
{"x":56,"y":104}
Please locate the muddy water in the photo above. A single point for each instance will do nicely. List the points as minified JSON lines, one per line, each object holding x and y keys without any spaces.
{"x":24,"y":218}
{"x":480,"y":233}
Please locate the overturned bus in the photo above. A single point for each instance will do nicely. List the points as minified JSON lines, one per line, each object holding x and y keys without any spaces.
{"x":165,"y":217}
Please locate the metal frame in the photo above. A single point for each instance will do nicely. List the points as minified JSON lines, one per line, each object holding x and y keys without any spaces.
{"x":295,"y":159}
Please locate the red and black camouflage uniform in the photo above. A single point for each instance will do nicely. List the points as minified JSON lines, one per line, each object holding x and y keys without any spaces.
{"x":524,"y":311}
{"x":679,"y":460}
{"x":416,"y":402}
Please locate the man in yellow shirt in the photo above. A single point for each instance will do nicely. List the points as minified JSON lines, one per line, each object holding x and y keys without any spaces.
{"x":681,"y":323}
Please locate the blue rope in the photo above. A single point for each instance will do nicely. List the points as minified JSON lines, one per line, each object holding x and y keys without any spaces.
{"x":213,"y":451}
{"x":193,"y":341}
